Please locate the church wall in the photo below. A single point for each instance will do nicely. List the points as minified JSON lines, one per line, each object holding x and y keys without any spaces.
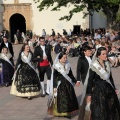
{"x":48,"y":19}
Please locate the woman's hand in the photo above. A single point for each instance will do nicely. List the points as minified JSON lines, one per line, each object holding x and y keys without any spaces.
{"x":45,"y":58}
{"x":88,"y":99}
{"x":55,"y":90}
{"x":77,"y":83}
{"x":38,"y":56}
{"x":117,"y":92}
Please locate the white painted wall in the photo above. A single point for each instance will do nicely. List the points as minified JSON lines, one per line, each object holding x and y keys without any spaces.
{"x":48,"y":19}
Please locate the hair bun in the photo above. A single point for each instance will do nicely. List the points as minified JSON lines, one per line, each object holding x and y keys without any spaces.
{"x":61,"y":54}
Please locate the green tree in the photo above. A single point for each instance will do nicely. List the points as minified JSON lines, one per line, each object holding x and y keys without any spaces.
{"x":109,"y":7}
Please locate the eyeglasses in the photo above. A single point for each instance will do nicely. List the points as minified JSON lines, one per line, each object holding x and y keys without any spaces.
{"x":42,"y":41}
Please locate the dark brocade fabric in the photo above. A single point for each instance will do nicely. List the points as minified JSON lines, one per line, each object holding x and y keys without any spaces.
{"x":105,"y":104}
{"x":7,"y":72}
{"x":104,"y":101}
{"x":26,"y":79}
{"x":66,"y":98}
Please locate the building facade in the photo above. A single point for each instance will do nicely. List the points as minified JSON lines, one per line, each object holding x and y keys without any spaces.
{"x":24,"y":15}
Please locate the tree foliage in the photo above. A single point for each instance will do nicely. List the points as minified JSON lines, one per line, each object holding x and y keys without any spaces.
{"x":109,"y":7}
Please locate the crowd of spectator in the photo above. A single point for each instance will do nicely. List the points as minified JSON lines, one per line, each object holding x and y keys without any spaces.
{"x":73,"y":43}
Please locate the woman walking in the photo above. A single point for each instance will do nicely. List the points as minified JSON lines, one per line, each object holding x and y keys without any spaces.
{"x":62,"y":98}
{"x":26,"y":81}
{"x":6,"y":67}
{"x":101,"y":93}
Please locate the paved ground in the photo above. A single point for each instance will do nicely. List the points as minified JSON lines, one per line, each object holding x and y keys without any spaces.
{"x":16,"y":108}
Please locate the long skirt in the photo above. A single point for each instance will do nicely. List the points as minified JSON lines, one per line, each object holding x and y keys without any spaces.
{"x":66,"y":101}
{"x":104,"y":102}
{"x":52,"y":110}
{"x":26,"y":82}
{"x":6,"y":73}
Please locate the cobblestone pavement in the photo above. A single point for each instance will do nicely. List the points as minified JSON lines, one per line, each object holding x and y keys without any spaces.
{"x":16,"y":108}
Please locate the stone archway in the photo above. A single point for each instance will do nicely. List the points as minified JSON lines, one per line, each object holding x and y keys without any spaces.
{"x":17,"y":22}
{"x":21,"y":8}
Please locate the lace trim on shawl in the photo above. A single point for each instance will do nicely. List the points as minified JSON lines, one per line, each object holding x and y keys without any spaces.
{"x":6,"y":57}
{"x":26,"y":59}
{"x":61,"y":68}
{"x":104,"y":74}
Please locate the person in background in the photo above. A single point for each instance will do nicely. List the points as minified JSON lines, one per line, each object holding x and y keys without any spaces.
{"x":7,"y":44}
{"x":43,"y":33}
{"x":53,"y":33}
{"x":42,"y":55}
{"x":6,"y":67}
{"x":18,"y":34}
{"x":83,"y":65}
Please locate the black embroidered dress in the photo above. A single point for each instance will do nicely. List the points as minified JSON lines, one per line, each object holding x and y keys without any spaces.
{"x":26,"y":81}
{"x":66,"y":99}
{"x":6,"y":69}
{"x":104,"y":101}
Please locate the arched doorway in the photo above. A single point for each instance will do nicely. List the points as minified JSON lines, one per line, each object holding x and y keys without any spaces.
{"x":17,"y":22}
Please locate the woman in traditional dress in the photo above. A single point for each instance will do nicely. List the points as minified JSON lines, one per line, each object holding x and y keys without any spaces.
{"x":101,"y":92}
{"x":26,"y":80}
{"x":62,"y":99}
{"x":23,"y":37}
{"x":6,"y":67}
{"x":15,"y":39}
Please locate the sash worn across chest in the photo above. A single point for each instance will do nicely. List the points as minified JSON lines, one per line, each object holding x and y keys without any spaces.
{"x":64,"y":71}
{"x":104,"y":74}
{"x":27,"y":60}
{"x":4,"y":57}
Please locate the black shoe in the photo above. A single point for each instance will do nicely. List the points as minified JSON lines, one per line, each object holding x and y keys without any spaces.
{"x":47,"y":93}
{"x":42,"y":95}
{"x":29,"y":98}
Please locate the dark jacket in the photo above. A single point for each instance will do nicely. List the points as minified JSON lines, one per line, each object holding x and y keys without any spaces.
{"x":39,"y":52}
{"x":82,"y":69}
